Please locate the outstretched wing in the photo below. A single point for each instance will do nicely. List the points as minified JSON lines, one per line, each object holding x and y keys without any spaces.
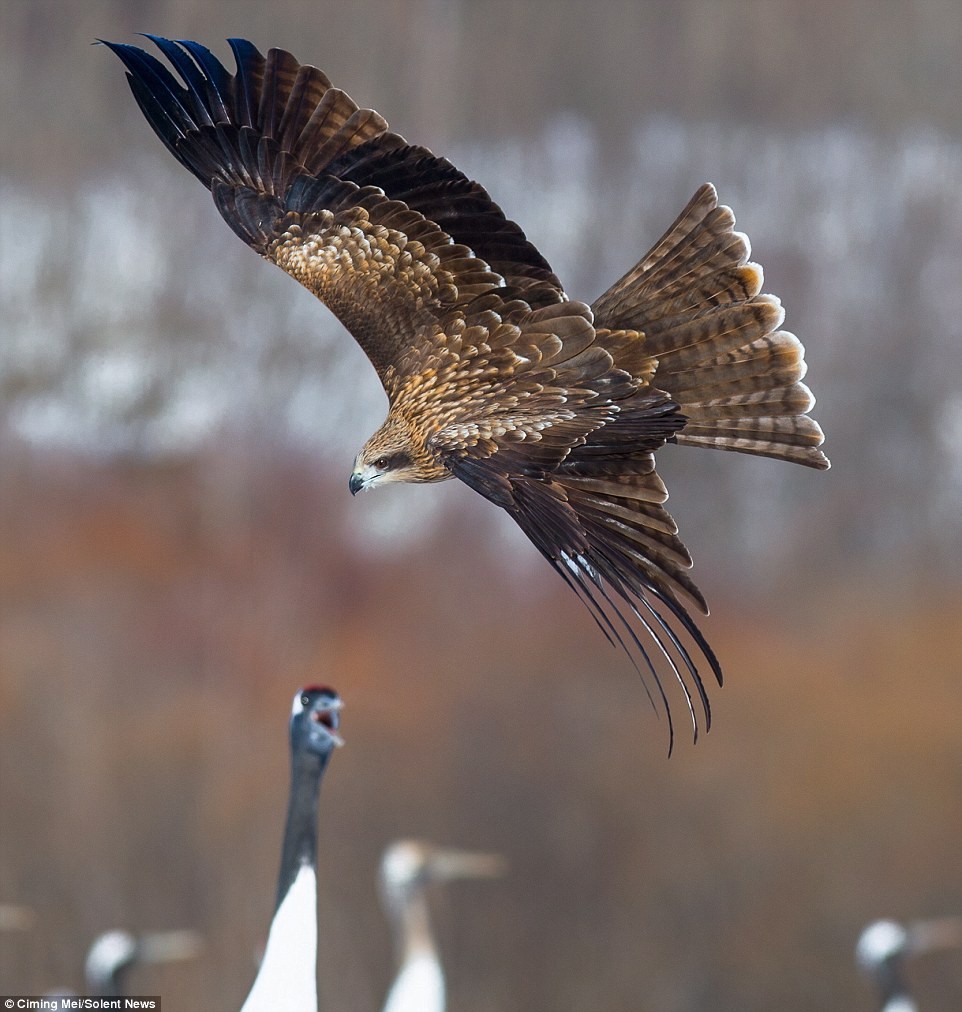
{"x":389,"y":236}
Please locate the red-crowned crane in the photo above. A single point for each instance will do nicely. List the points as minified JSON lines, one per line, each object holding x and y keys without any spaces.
{"x":287,"y":979}
{"x":114,"y":953}
{"x":408,"y":869}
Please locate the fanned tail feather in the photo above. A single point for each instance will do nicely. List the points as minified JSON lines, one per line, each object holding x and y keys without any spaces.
{"x":694,"y":305}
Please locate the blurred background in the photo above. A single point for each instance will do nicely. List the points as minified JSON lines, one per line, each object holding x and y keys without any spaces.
{"x":179,"y":551}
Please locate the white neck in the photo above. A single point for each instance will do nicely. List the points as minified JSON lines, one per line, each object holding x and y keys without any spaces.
{"x":287,"y":979}
{"x":419,"y":984}
{"x":418,"y":987}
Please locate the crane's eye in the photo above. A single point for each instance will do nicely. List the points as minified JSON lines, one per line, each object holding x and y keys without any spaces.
{"x":305,"y":700}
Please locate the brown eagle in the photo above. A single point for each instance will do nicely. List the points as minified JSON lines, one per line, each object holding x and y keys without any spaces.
{"x":548,"y":407}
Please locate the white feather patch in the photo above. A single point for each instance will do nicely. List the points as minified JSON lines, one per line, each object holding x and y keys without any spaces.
{"x":418,"y":987}
{"x":287,"y":979}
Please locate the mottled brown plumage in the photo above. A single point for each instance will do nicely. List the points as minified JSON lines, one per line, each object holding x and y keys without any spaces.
{"x":549,"y":408}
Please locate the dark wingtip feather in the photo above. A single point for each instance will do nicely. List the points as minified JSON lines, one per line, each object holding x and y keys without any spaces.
{"x":196,"y":84}
{"x":189,"y":114}
{"x":164,"y":103}
{"x":588,"y":585}
{"x":217,"y":76}
{"x":630,"y":598}
{"x":582,"y":588}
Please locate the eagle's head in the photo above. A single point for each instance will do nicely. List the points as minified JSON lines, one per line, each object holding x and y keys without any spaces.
{"x":392,"y":454}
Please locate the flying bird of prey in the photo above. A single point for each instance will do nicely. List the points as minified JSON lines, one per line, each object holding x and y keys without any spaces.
{"x":550,"y":408}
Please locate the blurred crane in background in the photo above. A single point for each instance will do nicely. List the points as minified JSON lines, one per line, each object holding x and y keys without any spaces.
{"x":115,"y":953}
{"x":408,"y":870}
{"x":885,"y":946}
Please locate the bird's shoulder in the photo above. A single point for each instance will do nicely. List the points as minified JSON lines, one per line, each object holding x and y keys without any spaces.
{"x":501,"y":373}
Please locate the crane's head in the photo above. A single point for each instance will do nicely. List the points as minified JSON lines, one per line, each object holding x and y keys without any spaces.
{"x":315,"y":717}
{"x":885,"y":946}
{"x":409,"y":865}
{"x":887,"y":941}
{"x":115,"y":952}
{"x":110,"y":954}
{"x":880,"y":942}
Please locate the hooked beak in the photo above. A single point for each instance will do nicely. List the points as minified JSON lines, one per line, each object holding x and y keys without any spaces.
{"x":356,"y":483}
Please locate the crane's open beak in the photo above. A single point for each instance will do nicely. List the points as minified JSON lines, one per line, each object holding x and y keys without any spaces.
{"x":330,"y":719}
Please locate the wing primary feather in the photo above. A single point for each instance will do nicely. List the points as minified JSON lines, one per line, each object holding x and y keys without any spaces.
{"x":582,"y":587}
{"x":250,"y":64}
{"x":148,"y":75}
{"x":686,"y":659}
{"x":587,"y":582}
{"x":193,"y":78}
{"x":216,"y":77}
{"x":681,"y":613}
{"x":596,"y":613}
{"x":649,"y":664}
{"x":689,"y":664}
{"x":307,"y":89}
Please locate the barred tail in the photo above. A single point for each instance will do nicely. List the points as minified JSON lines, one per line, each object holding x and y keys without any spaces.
{"x":693,"y":304}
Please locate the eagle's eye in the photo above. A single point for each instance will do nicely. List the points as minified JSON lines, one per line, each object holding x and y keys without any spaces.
{"x":382,"y":463}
